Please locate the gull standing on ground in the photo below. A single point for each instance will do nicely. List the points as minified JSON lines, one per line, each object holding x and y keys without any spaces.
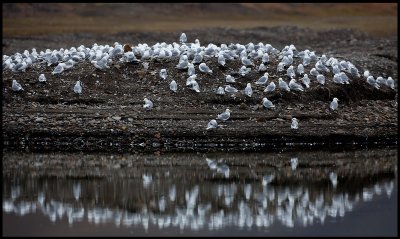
{"x":306,"y":80}
{"x":290,"y":72}
{"x":183,"y":38}
{"x":148,"y":105}
{"x":190,"y":79}
{"x":230,"y":89}
{"x":195,"y":86}
{"x":163,"y":74}
{"x":263,"y":79}
{"x":212,"y":124}
{"x":343,"y":65}
{"x":248,"y":91}
{"x":337,"y":79}
{"x":101,"y":64}
{"x":295,"y":124}
{"x":283,"y":85}
{"x":354,"y":72}
{"x":321,"y":79}
{"x":244,"y":70}
{"x":246,"y":61}
{"x":229,"y":79}
{"x":334,"y":104}
{"x":280,"y":67}
{"x":183,"y":64}
{"x":20,"y":66}
{"x":294,"y":86}
{"x":335,"y":69}
{"x":344,"y":77}
{"x":221,"y":60}
{"x":267,"y":103}
{"x":129,"y":57}
{"x":314,"y":72}
{"x":380,"y":80}
{"x":16,"y":86}
{"x":191,"y":69}
{"x":204,"y":68}
{"x":306,"y":60}
{"x":69,"y":64}
{"x":372,"y":82}
{"x":225,"y":115}
{"x":262,"y":67}
{"x":78,"y":87}
{"x":59,"y":68}
{"x":321,"y":67}
{"x":390,"y":82}
{"x":300,"y":69}
{"x":366,"y":74}
{"x":173,"y":86}
{"x":52,"y":59}
{"x":265,"y":58}
{"x":270,"y":87}
{"x":220,"y":91}
{"x":42,"y":78}
{"x":198,"y":58}
{"x":287,"y":60}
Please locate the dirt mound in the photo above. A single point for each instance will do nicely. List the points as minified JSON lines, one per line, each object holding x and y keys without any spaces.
{"x":109,"y":115}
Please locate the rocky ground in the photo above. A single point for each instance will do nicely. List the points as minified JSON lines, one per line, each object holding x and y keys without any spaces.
{"x":109,"y":115}
{"x":313,"y":166}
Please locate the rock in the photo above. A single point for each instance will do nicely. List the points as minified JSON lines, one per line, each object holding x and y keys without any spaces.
{"x":116,"y":118}
{"x":242,"y":106}
{"x":254,"y":107}
{"x":39,"y":120}
{"x":279,"y":120}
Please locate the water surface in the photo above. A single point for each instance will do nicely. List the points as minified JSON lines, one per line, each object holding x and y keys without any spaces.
{"x":316,"y":193}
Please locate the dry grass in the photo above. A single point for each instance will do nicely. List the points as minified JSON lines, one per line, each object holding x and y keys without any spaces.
{"x":377,"y":19}
{"x":379,"y":25}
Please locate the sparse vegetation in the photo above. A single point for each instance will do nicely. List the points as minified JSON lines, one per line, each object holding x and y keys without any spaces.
{"x":35,"y":19}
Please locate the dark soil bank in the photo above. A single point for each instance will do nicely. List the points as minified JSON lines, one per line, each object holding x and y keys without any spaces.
{"x":109,"y":115}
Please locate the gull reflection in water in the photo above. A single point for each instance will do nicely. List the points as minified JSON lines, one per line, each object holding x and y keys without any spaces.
{"x":189,"y":199}
{"x":220,"y":168}
{"x":77,"y":191}
{"x":290,"y":206}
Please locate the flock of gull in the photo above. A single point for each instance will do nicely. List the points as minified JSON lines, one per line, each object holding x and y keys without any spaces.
{"x":193,"y":54}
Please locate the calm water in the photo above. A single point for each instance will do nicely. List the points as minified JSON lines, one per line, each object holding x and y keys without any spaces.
{"x":242,"y":194}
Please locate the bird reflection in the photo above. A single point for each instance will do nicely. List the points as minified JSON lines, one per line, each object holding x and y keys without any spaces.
{"x":221,"y":168}
{"x":212,"y":206}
